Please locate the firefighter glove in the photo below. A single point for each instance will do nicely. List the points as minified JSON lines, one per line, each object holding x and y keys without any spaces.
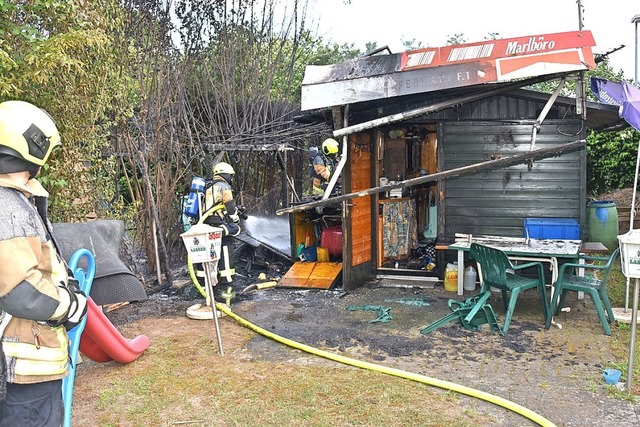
{"x":77,"y":306}
{"x":230,"y":229}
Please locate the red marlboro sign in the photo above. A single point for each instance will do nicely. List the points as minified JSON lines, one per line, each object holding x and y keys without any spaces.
{"x":571,"y":47}
{"x":439,"y":68}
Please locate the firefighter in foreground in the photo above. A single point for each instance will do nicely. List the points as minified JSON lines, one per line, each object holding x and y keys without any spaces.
{"x":221,"y":211}
{"x":323,"y":166}
{"x":38,"y":303}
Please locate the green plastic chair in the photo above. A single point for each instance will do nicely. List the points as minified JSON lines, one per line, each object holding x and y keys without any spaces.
{"x":568,"y":280}
{"x":472,"y":313}
{"x":498,"y":271}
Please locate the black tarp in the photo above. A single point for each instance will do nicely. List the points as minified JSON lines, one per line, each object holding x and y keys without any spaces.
{"x":114,"y":282}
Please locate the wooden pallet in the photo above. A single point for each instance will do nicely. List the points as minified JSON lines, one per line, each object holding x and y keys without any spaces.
{"x":318,"y":275}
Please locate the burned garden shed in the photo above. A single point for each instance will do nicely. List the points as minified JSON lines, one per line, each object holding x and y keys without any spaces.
{"x":447,"y":140}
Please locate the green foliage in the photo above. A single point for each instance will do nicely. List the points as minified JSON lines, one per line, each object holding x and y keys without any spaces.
{"x":602,"y":70}
{"x":611,"y":160}
{"x":320,"y":53}
{"x":62,"y":57}
{"x":411,"y":44}
{"x":370,"y":46}
{"x":611,"y":156}
{"x":310,"y":50}
{"x":456,"y":39}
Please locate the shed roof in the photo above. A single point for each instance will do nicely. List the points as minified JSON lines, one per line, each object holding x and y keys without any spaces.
{"x":395,"y":83}
{"x":600,"y":117}
{"x":432,"y":69}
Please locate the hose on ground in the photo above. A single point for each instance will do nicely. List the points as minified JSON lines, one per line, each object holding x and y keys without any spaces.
{"x":496,"y":400}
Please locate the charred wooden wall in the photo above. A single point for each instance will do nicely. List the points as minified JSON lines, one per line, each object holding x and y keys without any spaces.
{"x":497,"y":201}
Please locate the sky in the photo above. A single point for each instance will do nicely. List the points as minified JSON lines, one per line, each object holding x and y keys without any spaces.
{"x":432,"y":22}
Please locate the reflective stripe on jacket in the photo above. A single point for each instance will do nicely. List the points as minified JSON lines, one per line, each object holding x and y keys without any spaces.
{"x":30,"y":271}
{"x":322,"y":168}
{"x":31,"y":363}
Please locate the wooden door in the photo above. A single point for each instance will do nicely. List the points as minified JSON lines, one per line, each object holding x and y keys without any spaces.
{"x":358,"y":259}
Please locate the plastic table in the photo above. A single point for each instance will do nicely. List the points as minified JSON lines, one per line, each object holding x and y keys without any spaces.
{"x":520,"y":249}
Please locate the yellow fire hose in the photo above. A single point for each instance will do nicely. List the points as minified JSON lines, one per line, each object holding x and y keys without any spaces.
{"x":496,"y":400}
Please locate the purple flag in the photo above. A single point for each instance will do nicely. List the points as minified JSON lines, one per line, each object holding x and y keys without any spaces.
{"x":607,"y":92}
{"x":623,"y":94}
{"x":631,"y":105}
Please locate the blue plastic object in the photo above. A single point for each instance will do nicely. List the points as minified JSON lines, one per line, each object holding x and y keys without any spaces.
{"x":551,"y":228}
{"x":192,"y":206}
{"x":85,"y":281}
{"x":310,"y":253}
{"x":611,"y":376}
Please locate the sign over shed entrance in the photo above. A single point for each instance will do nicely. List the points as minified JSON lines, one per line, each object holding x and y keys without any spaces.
{"x":438,"y":68}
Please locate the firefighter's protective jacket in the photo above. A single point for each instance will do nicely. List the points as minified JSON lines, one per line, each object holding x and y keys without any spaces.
{"x":219,"y":199}
{"x":31,"y":273}
{"x":322,"y":169}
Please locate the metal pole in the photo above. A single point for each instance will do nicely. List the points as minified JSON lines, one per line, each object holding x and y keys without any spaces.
{"x":579,"y":14}
{"x":632,"y":344}
{"x":635,"y":20}
{"x":634,"y":312}
{"x":154,"y":230}
{"x":212,"y":301}
{"x":632,"y":217}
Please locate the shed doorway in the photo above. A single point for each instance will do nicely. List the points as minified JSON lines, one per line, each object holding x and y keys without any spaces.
{"x":407,"y":218}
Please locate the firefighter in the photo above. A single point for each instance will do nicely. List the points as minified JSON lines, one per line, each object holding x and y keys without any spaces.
{"x":221,"y":211}
{"x":324,"y":166}
{"x":38,"y":302}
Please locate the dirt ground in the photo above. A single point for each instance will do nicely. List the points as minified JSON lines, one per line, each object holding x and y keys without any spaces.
{"x":555,"y":373}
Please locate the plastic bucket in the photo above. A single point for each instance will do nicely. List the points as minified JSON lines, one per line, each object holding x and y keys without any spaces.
{"x":611,"y":376}
{"x":602,"y":223}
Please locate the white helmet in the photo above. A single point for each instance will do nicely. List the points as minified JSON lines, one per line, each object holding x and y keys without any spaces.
{"x":223,"y":167}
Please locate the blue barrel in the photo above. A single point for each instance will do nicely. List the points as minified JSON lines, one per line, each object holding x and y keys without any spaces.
{"x":602,"y":223}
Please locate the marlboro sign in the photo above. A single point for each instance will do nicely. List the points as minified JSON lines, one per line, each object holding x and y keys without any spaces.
{"x":439,"y":68}
{"x":509,"y":55}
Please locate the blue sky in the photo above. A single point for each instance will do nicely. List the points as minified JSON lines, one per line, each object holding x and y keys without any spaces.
{"x":433,"y":22}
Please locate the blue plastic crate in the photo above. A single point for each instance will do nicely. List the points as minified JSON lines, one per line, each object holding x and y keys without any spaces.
{"x":552,"y":228}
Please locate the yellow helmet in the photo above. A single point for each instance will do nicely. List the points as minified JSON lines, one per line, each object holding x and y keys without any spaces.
{"x":28,"y":135}
{"x":330,"y":146}
{"x":223,"y":167}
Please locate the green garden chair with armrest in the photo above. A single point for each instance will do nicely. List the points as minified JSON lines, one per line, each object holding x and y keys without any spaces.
{"x":569,"y":280}
{"x":498,"y":271}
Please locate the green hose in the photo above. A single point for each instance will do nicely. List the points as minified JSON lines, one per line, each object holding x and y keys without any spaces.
{"x":514,"y":407}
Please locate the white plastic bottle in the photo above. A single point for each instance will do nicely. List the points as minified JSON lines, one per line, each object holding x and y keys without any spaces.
{"x":469,"y":282}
